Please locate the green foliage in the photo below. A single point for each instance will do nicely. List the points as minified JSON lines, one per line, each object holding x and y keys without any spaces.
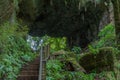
{"x":14,"y":50}
{"x":76,"y":49}
{"x":106,"y":39}
{"x":73,"y":75}
{"x":110,"y":76}
{"x":55,"y":71}
{"x":79,"y":76}
{"x":108,"y":30}
{"x":92,"y":76}
{"x":55,"y":43}
{"x":54,"y":68}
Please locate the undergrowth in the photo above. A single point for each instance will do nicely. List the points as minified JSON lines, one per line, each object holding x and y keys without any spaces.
{"x":106,"y":38}
{"x":14,"y":50}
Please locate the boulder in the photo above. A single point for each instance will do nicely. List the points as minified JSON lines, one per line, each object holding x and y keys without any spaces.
{"x":69,"y":59}
{"x":73,"y":65}
{"x":101,"y":61}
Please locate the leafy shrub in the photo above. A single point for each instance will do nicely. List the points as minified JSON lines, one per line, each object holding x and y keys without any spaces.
{"x":55,"y":43}
{"x":76,"y":49}
{"x":14,"y":50}
{"x":54,"y":68}
{"x":73,"y":75}
{"x":55,"y":71}
{"x":106,"y":39}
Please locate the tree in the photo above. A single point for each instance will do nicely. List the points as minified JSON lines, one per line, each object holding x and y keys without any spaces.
{"x":116,"y":5}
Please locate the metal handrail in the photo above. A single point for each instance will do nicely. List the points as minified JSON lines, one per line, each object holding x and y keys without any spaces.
{"x":41,"y":59}
{"x":40,"y":67}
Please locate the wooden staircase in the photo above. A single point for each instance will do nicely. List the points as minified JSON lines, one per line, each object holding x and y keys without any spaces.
{"x":30,"y":71}
{"x":44,"y":70}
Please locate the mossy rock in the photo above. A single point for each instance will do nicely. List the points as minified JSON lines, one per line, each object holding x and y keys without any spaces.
{"x":101,"y":61}
{"x":71,"y":64}
{"x":60,"y":52}
{"x":75,"y":64}
{"x":63,"y":55}
{"x":69,"y":59}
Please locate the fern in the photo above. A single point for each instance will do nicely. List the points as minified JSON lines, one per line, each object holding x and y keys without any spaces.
{"x":14,"y":50}
{"x":106,"y":39}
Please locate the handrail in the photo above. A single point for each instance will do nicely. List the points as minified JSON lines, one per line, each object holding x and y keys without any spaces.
{"x":40,"y":67}
{"x":44,"y":53}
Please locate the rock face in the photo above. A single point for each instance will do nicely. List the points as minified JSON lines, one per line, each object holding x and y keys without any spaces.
{"x":78,"y":21}
{"x":27,"y":11}
{"x":102,"y":61}
{"x":79,"y":25}
{"x":6,"y":10}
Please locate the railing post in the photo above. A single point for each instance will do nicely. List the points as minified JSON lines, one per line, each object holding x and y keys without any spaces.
{"x":40,"y":67}
{"x":44,"y":55}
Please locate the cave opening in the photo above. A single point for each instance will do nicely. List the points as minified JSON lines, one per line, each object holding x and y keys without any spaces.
{"x":79,"y":25}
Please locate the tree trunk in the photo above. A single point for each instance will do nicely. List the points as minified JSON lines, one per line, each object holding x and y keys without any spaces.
{"x":116,"y":5}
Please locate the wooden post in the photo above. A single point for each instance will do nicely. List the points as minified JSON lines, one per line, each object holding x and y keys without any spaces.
{"x":40,"y":67}
{"x":44,"y":54}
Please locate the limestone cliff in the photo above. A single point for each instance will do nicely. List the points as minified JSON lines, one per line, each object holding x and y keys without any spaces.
{"x":78,"y":20}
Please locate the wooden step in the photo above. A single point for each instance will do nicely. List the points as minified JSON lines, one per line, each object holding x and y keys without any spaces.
{"x":36,"y":62}
{"x":27,"y":77}
{"x":30,"y":72}
{"x":31,"y":67}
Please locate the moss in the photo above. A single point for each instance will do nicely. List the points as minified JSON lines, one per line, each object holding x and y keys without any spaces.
{"x":63,"y":55}
{"x":60,"y":52}
{"x":71,"y":64}
{"x":75,"y":64}
{"x":103,"y":60}
{"x":69,"y":59}
{"x":109,"y":75}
